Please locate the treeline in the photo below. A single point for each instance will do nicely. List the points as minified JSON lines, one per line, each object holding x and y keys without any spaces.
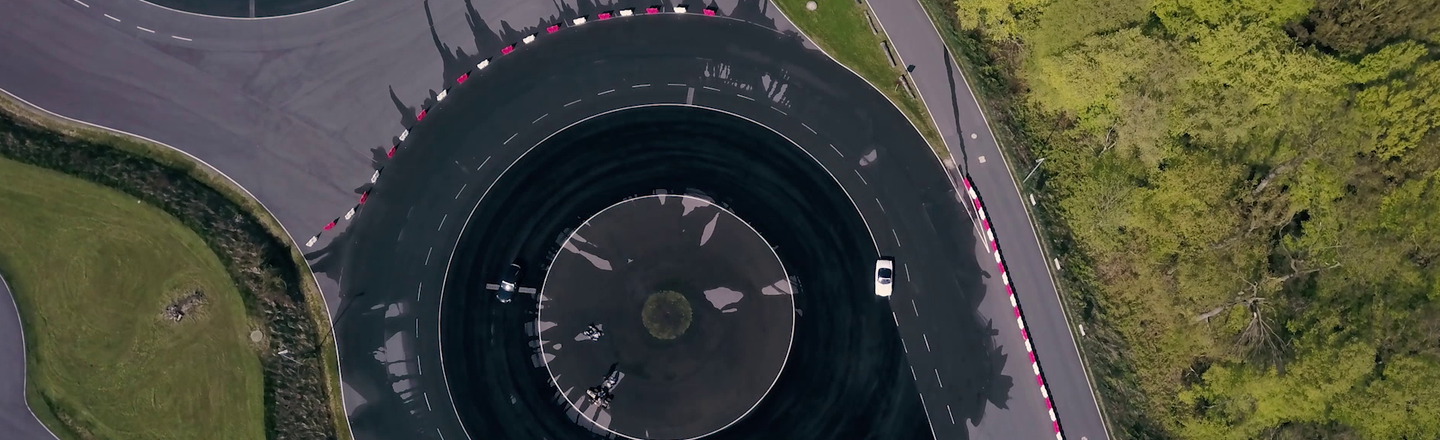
{"x":297,"y":401}
{"x":1253,"y":189}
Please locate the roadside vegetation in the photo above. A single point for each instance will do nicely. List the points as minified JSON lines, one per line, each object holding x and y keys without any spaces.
{"x":93,"y":272}
{"x":299,"y":391}
{"x":1245,"y":196}
{"x":843,"y":30}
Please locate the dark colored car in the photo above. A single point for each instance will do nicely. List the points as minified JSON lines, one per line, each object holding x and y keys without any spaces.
{"x":508,"y":281}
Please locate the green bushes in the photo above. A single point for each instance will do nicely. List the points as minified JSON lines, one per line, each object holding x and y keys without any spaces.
{"x":1245,"y":195}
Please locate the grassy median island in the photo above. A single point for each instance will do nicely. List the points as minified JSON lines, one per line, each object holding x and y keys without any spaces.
{"x":840,"y":27}
{"x":300,"y":391}
{"x":93,"y":272}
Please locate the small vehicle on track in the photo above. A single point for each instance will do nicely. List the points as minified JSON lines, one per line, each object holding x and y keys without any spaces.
{"x":508,"y":280}
{"x":884,"y":276}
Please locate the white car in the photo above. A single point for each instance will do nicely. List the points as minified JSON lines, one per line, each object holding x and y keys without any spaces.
{"x":884,"y":276}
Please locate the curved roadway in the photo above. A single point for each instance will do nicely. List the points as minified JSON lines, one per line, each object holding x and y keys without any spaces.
{"x":16,"y":419}
{"x":298,"y":109}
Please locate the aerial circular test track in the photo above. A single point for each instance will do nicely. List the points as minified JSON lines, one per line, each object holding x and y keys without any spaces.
{"x":516,"y":158}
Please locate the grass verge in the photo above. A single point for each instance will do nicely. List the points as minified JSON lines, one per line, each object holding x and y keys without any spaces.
{"x":302,"y":393}
{"x":988,"y":70}
{"x":843,"y":30}
{"x":92,"y":271}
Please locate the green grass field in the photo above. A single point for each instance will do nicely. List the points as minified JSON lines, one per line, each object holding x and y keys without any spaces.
{"x":92,"y":271}
{"x":841,"y":29}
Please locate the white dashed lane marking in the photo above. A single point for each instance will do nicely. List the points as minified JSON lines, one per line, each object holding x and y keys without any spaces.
{"x":639,"y":86}
{"x":710,"y":88}
{"x":862,"y":178}
{"x":487,"y":158}
{"x":539,"y":118}
{"x":462,"y":191}
{"x":604,"y":92}
{"x":877,"y":199}
{"x":937,"y":379}
{"x":143,"y":29}
{"x":111,"y":17}
{"x":897,"y":238}
{"x":807,"y":127}
{"x":676,"y":85}
{"x":917,"y":313}
{"x":952,"y":414}
{"x":82,"y":3}
{"x":779,"y":110}
{"x":419,"y":288}
{"x":512,"y":137}
{"x":180,"y":38}
{"x":746,"y":97}
{"x":927,"y":340}
{"x":427,"y":262}
{"x":577,"y":101}
{"x":907,"y":271}
{"x":837,"y":151}
{"x":442,"y":222}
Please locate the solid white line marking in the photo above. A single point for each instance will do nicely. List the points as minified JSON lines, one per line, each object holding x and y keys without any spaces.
{"x":926,"y":338}
{"x":927,"y":414}
{"x":937,"y":379}
{"x":709,"y":88}
{"x":807,"y":127}
{"x":442,"y":222}
{"x":779,"y":110}
{"x":487,"y":158}
{"x":952,"y":414}
{"x":462,"y":190}
{"x":862,"y":179}
{"x":577,"y":101}
{"x":640,"y":85}
{"x":427,"y":403}
{"x":180,"y":38}
{"x":512,"y":137}
{"x":112,"y":17}
{"x":427,"y":263}
{"x":746,"y":97}
{"x":82,"y":3}
{"x":143,"y":29}
{"x":604,"y":92}
{"x":837,"y":151}
{"x":917,"y":313}
{"x":897,"y":238}
{"x":539,"y":118}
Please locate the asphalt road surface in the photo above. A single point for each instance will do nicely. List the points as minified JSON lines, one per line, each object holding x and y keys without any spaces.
{"x":695,"y":306}
{"x":16,"y":419}
{"x":299,"y":111}
{"x":968,"y":135}
{"x":875,"y":156}
{"x":243,"y":8}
